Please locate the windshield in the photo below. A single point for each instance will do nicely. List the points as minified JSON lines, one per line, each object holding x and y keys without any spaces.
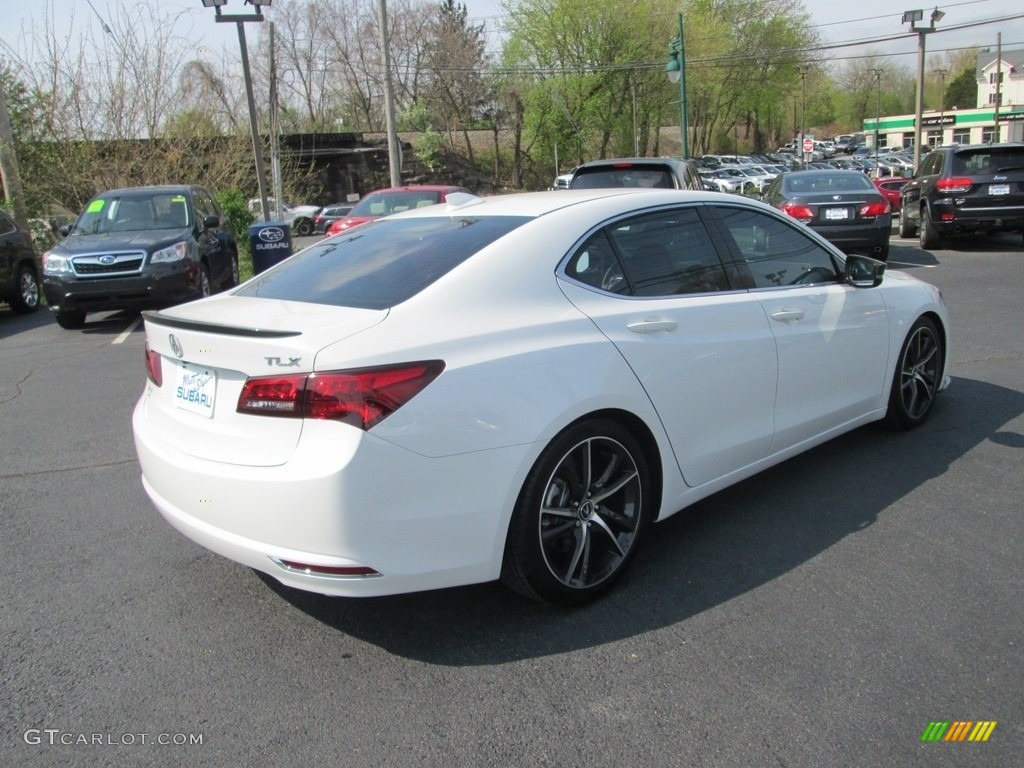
{"x":600,"y":177}
{"x":379,"y":264}
{"x":384,"y":203}
{"x":135,"y":212}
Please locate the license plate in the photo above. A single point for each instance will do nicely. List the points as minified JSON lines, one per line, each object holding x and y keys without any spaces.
{"x":195,"y":389}
{"x":999,"y":189}
{"x":834,"y":214}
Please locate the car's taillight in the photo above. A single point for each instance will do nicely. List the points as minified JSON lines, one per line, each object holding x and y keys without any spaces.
{"x":154,"y":366}
{"x":877,"y":208}
{"x":797,"y":211}
{"x":362,"y":397}
{"x":954,"y":184}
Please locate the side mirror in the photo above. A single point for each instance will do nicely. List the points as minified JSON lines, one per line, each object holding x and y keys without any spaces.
{"x":211,"y":222}
{"x":863,"y":272}
{"x":65,"y":230}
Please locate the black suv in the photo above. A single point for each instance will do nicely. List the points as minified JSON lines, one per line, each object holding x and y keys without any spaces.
{"x":644,"y":172}
{"x":139,"y":248}
{"x":964,"y":189}
{"x":19,"y":271}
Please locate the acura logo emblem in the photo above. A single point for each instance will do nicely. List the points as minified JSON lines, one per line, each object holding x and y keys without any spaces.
{"x":176,"y":345}
{"x":271,"y":234}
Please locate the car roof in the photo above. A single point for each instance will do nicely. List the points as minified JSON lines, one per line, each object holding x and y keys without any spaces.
{"x":535,"y":204}
{"x":632,"y":161}
{"x":142,"y":190}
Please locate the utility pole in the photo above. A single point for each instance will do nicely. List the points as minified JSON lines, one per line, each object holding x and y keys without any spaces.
{"x":9,"y":165}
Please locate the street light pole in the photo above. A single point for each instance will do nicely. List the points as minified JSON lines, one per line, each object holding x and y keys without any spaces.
{"x":913,"y":17}
{"x":257,"y":145}
{"x":878,"y":111}
{"x":942,"y":103}
{"x":804,"y":69}
{"x":394,"y":161}
{"x":676,"y":69}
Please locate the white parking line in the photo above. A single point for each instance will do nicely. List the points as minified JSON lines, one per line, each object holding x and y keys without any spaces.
{"x":128,"y":331}
{"x":910,"y":264}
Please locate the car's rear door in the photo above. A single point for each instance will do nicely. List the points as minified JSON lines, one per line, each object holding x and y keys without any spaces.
{"x":703,"y":351}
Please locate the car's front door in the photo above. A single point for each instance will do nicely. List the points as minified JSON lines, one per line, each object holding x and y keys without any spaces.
{"x":832,"y":338}
{"x":703,"y":351}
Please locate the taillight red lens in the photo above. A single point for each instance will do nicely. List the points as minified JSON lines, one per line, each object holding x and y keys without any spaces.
{"x":361,"y":397}
{"x":954,"y":184}
{"x":273,"y":396}
{"x":797,"y":211}
{"x":877,"y":208}
{"x":154,"y":366}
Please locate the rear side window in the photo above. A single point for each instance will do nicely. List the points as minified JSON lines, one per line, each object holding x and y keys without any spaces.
{"x":668,"y":253}
{"x":380,"y":264}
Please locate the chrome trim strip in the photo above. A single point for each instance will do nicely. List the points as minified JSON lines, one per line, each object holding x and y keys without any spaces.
{"x":330,"y":576}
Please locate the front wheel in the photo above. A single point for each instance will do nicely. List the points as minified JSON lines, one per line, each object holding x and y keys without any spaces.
{"x":579,"y":515}
{"x":916,"y":381}
{"x":25,"y":297}
{"x":907,"y":230}
{"x":70,"y":319}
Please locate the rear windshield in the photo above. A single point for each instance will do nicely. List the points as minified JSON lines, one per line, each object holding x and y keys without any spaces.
{"x":823,"y":183}
{"x":380,"y":264}
{"x":647,"y":176}
{"x":985,"y":160}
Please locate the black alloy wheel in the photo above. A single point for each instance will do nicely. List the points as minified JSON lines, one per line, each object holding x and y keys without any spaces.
{"x":579,"y":515}
{"x":916,"y":382}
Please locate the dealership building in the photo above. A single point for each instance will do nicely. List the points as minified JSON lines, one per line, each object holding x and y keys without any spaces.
{"x":999,"y":115}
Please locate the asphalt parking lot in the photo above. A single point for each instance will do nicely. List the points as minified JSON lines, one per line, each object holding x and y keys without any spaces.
{"x":823,"y":613}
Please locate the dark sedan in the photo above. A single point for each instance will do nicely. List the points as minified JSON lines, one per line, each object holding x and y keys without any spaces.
{"x":330,"y":214}
{"x":844,"y":207}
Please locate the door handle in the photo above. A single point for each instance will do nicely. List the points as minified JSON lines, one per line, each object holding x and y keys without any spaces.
{"x":788,"y":315}
{"x":653,"y":326}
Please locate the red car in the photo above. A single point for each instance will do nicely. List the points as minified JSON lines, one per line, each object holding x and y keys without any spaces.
{"x":890,"y":186}
{"x":394,"y":200}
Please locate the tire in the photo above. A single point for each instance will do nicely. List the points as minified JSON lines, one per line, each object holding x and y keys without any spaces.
{"x":915,"y":383}
{"x":907,"y":230}
{"x":304,"y":227}
{"x":204,"y":282}
{"x":25,"y":296}
{"x":571,"y":538}
{"x":930,"y":239}
{"x":234,"y":278}
{"x":70,"y":320}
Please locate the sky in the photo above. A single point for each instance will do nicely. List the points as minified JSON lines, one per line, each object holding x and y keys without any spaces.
{"x":852,"y":27}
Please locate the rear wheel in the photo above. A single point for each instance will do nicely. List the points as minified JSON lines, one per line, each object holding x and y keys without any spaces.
{"x":25,"y":297}
{"x":916,"y":381}
{"x":303,"y":227}
{"x":929,"y":237}
{"x":579,"y":516}
{"x":70,"y":319}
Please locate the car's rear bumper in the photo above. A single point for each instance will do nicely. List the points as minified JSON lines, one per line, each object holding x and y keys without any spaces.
{"x":331,"y":508}
{"x":949,"y":218}
{"x":870,"y":237}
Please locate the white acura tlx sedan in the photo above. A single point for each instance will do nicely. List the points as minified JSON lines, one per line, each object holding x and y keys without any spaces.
{"x":518,"y":387}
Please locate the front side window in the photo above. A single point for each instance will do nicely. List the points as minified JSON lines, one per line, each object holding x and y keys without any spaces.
{"x":774,"y":253}
{"x":667,"y":253}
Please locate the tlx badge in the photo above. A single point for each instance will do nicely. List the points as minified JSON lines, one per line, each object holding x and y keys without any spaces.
{"x":276,"y":361}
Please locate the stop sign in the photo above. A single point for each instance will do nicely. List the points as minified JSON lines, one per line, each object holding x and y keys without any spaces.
{"x":808,"y":145}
